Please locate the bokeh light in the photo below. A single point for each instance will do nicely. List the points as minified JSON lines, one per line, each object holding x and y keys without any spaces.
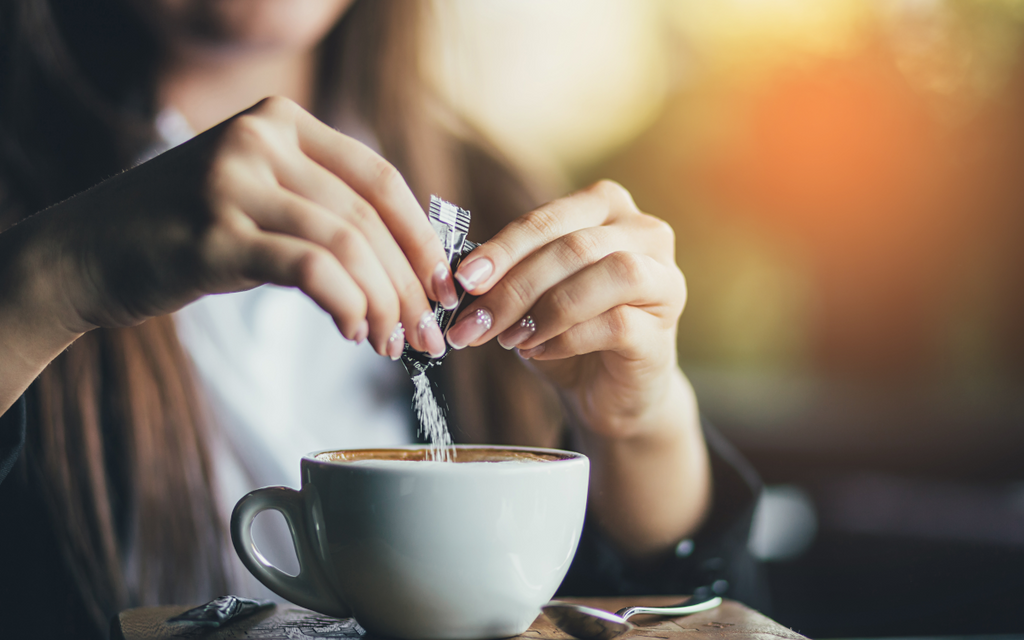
{"x":844,"y":179}
{"x":839,"y":174}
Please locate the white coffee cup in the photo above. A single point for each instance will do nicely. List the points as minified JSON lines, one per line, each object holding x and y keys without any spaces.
{"x":425,"y":550}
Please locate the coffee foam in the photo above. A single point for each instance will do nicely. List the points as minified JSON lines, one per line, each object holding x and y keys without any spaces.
{"x":461,"y":455}
{"x":435,"y":464}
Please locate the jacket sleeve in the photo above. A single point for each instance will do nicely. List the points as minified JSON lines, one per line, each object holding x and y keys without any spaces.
{"x":12,"y":436}
{"x":716,"y":556}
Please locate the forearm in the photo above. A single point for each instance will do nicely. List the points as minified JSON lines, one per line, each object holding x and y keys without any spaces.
{"x":652,"y":488}
{"x":35,"y":325}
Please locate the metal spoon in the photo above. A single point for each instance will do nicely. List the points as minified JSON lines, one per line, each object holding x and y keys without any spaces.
{"x":587,"y":623}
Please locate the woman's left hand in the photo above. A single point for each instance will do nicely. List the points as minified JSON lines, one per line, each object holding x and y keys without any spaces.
{"x":586,"y":287}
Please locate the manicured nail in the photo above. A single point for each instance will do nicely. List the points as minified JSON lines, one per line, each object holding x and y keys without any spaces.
{"x":469,"y":328}
{"x":473,"y":274}
{"x":444,"y":287}
{"x":361,"y":332}
{"x":430,"y":334}
{"x":396,"y":342}
{"x":526,"y":354}
{"x":517,"y":334}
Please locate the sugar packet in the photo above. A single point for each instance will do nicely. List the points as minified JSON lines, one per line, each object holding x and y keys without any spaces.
{"x":451,"y":223}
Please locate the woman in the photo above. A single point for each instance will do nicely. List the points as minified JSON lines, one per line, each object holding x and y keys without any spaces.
{"x":112,"y":502}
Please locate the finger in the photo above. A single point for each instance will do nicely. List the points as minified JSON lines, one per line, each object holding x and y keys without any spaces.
{"x":380,"y":184}
{"x":316,"y":183}
{"x":513,"y":296}
{"x":621,"y":278}
{"x":294,"y":215}
{"x":590,"y":207}
{"x":292,"y":262}
{"x":612,"y":331}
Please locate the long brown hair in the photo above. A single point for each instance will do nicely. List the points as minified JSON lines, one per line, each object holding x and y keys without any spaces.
{"x":117,"y":444}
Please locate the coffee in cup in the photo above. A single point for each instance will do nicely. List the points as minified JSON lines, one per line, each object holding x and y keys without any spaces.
{"x":424,"y":550}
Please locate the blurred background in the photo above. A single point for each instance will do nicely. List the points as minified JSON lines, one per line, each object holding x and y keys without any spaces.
{"x":846,"y":181}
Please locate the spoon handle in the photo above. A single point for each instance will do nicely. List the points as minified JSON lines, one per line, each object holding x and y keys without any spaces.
{"x":682,"y":609}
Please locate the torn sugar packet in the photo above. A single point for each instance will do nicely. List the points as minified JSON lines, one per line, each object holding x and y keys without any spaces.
{"x":451,"y":223}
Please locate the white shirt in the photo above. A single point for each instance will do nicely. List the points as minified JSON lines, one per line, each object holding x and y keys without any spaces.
{"x":281,"y":381}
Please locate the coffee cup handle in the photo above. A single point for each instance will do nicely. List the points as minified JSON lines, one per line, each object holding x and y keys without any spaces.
{"x":310,"y":588}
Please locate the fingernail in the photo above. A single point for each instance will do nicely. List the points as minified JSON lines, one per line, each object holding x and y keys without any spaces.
{"x":396,"y":342}
{"x":444,"y":287}
{"x":361,"y":332}
{"x":473,"y":274}
{"x":430,"y":335}
{"x":532,"y":353}
{"x":515,"y":335}
{"x":469,"y":328}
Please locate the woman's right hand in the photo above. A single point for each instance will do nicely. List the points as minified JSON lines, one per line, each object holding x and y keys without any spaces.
{"x":271,"y":195}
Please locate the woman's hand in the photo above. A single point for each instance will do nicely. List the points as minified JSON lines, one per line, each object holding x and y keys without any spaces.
{"x":586,"y":287}
{"x":270,"y":195}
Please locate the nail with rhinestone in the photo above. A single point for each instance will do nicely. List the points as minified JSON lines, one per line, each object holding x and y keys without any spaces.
{"x":469,"y":328}
{"x":396,"y":342}
{"x":518,"y":333}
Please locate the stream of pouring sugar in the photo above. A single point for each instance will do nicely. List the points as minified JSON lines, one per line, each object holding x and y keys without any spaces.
{"x":433,"y":425}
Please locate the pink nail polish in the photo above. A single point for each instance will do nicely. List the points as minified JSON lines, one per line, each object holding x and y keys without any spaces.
{"x":517,"y":334}
{"x":430,"y":334}
{"x":527,"y":354}
{"x":444,"y":287}
{"x":396,"y":342}
{"x":473,"y":274}
{"x":469,"y":328}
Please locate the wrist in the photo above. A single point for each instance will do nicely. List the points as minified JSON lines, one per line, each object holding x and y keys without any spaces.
{"x":669,"y":406}
{"x":37,"y":321}
{"x":651,"y":484}
{"x":666,"y":428}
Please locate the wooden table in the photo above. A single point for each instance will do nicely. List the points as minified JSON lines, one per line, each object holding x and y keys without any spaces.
{"x":731,"y":621}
